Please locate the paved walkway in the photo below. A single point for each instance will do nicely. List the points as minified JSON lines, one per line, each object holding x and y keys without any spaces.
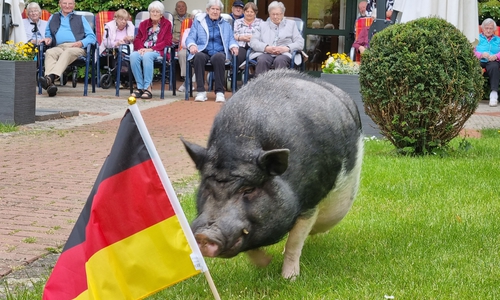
{"x":48,"y":168}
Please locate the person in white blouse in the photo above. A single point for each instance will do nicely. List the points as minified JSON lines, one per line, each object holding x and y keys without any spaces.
{"x":34,"y":34}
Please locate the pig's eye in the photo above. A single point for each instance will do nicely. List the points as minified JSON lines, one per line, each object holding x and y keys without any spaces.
{"x":247,"y":190}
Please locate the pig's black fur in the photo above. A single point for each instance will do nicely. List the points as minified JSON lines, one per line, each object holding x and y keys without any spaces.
{"x":314,"y":129}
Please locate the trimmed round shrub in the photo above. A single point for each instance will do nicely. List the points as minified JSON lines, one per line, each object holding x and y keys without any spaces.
{"x":420,"y":82}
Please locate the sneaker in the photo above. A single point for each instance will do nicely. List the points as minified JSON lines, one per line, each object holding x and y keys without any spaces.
{"x":493,"y":98}
{"x":201,"y":96}
{"x":181,"y":88}
{"x":52,"y":90}
{"x":219,"y":97}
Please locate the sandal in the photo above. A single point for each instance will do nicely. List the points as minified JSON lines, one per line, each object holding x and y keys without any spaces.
{"x":137,"y":93}
{"x":146,"y":94}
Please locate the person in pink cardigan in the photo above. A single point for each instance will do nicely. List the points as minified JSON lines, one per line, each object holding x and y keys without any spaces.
{"x":117,"y":32}
{"x":153,"y":36}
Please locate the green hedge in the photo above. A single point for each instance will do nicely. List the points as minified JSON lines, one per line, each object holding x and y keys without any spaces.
{"x":489,"y":9}
{"x":420,"y":83}
{"x":96,"y":6}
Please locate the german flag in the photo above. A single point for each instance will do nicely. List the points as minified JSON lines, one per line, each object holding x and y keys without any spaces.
{"x":128,"y":242}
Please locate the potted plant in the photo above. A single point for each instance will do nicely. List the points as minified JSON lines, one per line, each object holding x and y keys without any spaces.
{"x":18,"y":82}
{"x":339,"y":70}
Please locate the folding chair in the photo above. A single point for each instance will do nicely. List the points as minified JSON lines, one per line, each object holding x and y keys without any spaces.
{"x":44,"y":16}
{"x":101,"y":18}
{"x":161,"y":63}
{"x":87,"y":61}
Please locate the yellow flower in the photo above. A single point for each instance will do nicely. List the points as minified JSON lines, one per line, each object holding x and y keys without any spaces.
{"x":339,"y":63}
{"x":17,"y":51}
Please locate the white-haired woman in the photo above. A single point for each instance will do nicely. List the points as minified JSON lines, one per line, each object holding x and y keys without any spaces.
{"x":276,"y":40}
{"x":211,"y":38}
{"x":34,"y":12}
{"x":488,"y":53}
{"x":153,"y":36}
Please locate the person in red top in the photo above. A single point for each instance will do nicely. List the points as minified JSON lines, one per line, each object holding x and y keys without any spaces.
{"x":361,"y":43}
{"x":153,"y":36}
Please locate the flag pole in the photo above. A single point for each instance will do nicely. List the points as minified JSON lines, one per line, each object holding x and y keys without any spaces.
{"x":200,"y":261}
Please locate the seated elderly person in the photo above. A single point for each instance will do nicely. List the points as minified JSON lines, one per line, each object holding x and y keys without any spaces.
{"x":34,"y":34}
{"x":371,"y":8}
{"x":275,"y":40}
{"x":244,"y":28}
{"x":488,"y":53}
{"x":118,"y":32}
{"x":361,"y":42}
{"x":211,"y":38}
{"x":153,"y":36}
{"x":68,"y":35}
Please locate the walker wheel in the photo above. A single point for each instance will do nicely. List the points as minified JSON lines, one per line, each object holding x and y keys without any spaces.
{"x":74,"y":81}
{"x":106,"y":81}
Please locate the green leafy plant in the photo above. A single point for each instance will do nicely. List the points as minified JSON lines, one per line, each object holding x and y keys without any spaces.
{"x":420,"y":83}
{"x":337,"y":63}
{"x":489,"y":9}
{"x":18,"y":51}
{"x":96,"y":6}
{"x":8,"y":128}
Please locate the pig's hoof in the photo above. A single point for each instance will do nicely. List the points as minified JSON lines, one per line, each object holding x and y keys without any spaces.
{"x":259,"y":258}
{"x":290,"y":271}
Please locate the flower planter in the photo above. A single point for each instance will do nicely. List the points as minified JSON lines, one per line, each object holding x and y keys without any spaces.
{"x":18,"y":97}
{"x":350,"y":84}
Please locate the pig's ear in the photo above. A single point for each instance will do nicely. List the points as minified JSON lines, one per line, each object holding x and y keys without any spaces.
{"x":197,"y":153}
{"x":275,"y":162}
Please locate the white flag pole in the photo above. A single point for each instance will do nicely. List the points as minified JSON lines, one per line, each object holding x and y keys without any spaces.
{"x":197,"y":257}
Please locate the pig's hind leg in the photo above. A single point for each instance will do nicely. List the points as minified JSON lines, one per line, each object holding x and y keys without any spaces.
{"x":294,"y":244}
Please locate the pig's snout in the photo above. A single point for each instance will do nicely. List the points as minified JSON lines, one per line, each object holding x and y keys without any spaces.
{"x":207,"y":246}
{"x":211,"y":248}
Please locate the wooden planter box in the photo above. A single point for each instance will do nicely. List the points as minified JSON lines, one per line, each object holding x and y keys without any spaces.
{"x":350,"y":85}
{"x":18,"y":97}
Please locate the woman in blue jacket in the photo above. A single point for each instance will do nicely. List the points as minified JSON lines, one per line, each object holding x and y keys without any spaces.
{"x":488,"y":53}
{"x":211,"y":38}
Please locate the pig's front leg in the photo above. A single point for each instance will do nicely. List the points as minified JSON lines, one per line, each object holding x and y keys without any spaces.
{"x":294,"y":244}
{"x":259,"y":257}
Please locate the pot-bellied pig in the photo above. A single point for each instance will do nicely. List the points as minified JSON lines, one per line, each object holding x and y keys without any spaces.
{"x":284,"y":156}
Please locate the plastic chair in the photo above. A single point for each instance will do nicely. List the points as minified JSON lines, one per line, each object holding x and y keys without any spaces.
{"x":86,"y":61}
{"x":251,"y":61}
{"x":230,"y":66}
{"x":161,"y":63}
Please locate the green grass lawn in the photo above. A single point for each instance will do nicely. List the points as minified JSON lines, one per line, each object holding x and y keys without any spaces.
{"x":420,"y":228}
{"x":4,"y":128}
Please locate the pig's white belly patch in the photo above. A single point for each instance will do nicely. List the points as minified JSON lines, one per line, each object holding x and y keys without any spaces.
{"x":333,"y":208}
